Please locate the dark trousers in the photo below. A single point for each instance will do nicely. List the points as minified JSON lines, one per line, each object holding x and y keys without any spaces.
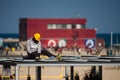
{"x":47,"y":53}
{"x":33,"y":55}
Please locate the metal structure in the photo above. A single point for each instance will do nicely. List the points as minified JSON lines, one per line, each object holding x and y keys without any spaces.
{"x":69,"y":61}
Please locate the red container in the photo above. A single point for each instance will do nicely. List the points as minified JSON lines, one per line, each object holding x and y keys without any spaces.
{"x":72,"y":30}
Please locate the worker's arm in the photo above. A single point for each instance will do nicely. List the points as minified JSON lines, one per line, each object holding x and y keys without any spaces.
{"x":39,"y":47}
{"x":28,"y":47}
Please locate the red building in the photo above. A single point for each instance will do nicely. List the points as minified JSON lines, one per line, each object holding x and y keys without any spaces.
{"x":61,"y":32}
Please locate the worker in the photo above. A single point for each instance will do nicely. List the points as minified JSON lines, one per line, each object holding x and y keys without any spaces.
{"x":34,"y":46}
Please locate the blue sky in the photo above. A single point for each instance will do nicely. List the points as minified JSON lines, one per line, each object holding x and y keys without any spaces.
{"x":101,"y":14}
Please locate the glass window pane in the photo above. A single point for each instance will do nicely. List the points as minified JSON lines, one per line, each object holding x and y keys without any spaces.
{"x":69,"y":26}
{"x":78,"y":26}
{"x":54,"y":26}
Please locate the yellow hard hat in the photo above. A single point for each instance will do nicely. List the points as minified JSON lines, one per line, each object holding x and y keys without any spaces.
{"x":37,"y":36}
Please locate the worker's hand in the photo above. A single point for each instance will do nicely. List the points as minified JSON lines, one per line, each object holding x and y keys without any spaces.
{"x":58,"y":57}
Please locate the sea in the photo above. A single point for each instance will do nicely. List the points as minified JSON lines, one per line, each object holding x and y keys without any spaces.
{"x":9,"y":35}
{"x":105,"y":36}
{"x":108,"y":37}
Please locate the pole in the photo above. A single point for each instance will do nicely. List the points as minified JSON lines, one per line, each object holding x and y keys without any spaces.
{"x":100,"y":72}
{"x":94,"y":69}
{"x":28,"y":77}
{"x":38,"y":73}
{"x":66,"y":73}
{"x":17,"y":73}
{"x":111,"y":39}
{"x":72,"y":72}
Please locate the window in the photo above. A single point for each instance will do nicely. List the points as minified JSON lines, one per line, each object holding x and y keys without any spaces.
{"x":78,"y":26}
{"x":69,"y":26}
{"x":64,"y":26}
